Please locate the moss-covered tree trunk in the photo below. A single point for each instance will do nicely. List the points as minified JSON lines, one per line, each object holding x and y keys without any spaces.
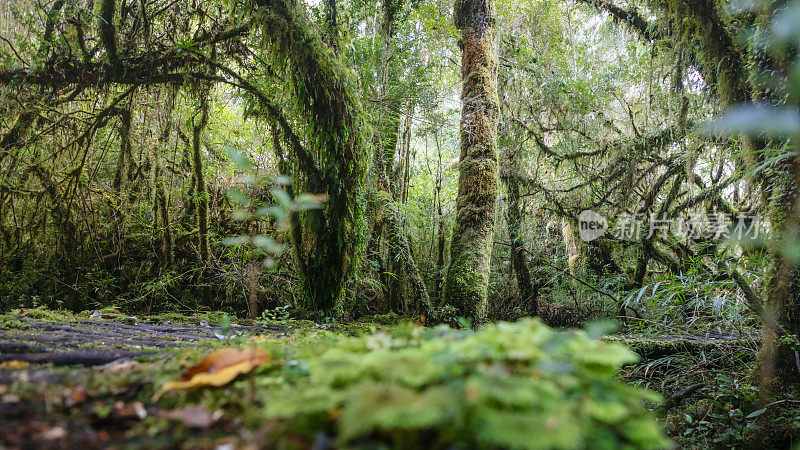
{"x":467,"y":280}
{"x":122,"y":180}
{"x":514,"y":219}
{"x":159,"y":199}
{"x":335,"y":233}
{"x":440,"y":228}
{"x":779,"y":361}
{"x":201,"y":195}
{"x":107,"y":31}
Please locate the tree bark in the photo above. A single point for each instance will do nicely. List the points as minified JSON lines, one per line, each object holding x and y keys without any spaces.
{"x":779,"y":360}
{"x":514,"y":218}
{"x":107,"y":31}
{"x":161,"y":216}
{"x":467,"y":281}
{"x":441,"y":238}
{"x":122,"y":179}
{"x":201,"y":195}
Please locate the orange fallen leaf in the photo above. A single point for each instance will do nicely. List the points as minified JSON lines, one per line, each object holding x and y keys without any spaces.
{"x":14,"y":364}
{"x":219,"y":368}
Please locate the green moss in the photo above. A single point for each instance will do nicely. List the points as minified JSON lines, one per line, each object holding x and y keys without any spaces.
{"x":322,"y":94}
{"x":466,"y":289}
{"x":48,"y":315}
{"x":467,"y":279}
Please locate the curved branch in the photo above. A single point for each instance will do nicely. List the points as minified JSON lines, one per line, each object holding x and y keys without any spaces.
{"x":644,"y":28}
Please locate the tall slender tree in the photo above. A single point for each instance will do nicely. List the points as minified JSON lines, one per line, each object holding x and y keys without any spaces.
{"x":467,"y":279}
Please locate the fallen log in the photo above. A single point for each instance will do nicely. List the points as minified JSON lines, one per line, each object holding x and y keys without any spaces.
{"x":78,"y":357}
{"x":649,"y":348}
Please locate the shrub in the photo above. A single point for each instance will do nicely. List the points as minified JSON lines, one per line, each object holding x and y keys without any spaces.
{"x":520,"y":385}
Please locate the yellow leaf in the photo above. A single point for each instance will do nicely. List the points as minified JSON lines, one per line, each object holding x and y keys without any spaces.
{"x":14,"y":364}
{"x":219,"y":368}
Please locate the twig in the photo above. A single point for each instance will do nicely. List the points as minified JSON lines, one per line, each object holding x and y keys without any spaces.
{"x":13,"y":49}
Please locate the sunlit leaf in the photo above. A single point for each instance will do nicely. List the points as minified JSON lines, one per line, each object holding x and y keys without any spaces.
{"x":268,"y":244}
{"x":276,"y":212}
{"x":283,"y":180}
{"x":601,"y":328}
{"x":240,"y":161}
{"x":240,"y":215}
{"x":306,"y":202}
{"x":14,"y":364}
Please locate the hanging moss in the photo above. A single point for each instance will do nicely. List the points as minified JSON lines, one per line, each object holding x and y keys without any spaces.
{"x":105,"y":23}
{"x":334,"y":133}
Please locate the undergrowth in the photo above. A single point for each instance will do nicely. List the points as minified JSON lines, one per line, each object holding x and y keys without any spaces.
{"x":521,"y":385}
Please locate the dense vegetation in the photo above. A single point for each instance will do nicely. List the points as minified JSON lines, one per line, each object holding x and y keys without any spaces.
{"x":344,"y":161}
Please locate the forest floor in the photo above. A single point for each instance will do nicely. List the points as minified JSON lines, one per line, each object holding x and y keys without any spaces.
{"x":87,"y":380}
{"x":91,"y":380}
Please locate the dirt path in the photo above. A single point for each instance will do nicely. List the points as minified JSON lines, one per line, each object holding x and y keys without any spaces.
{"x":95,"y":342}
{"x":74,"y":383}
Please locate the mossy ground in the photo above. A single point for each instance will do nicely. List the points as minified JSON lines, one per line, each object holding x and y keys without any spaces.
{"x":317,"y":378}
{"x":70,"y":406}
{"x":112,"y":405}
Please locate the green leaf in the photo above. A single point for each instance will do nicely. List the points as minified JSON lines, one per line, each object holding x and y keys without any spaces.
{"x":306,"y":202}
{"x":239,"y":160}
{"x":237,"y":196}
{"x":235,"y":241}
{"x":268,"y":244}
{"x":281,"y":197}
{"x":756,"y":413}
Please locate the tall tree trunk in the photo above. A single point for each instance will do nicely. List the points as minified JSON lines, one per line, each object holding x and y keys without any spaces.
{"x":253,"y":271}
{"x":201,"y":195}
{"x":338,"y":169}
{"x":161,"y":217}
{"x":107,"y":31}
{"x":527,"y":290}
{"x":574,"y":251}
{"x":399,"y":242}
{"x":401,"y":258}
{"x":332,"y":19}
{"x":441,"y":238}
{"x":407,"y":150}
{"x":467,"y":282}
{"x":779,"y":360}
{"x":122,"y":180}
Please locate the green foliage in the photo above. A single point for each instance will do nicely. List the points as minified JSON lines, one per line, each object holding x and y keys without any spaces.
{"x":280,"y":212}
{"x":519,"y":385}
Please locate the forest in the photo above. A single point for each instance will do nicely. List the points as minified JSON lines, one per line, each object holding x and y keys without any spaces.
{"x":539,"y":224}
